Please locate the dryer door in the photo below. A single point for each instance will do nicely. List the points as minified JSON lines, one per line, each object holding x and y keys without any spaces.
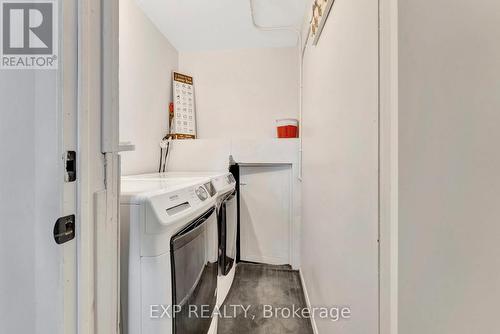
{"x":228,"y":229}
{"x":194,"y":274}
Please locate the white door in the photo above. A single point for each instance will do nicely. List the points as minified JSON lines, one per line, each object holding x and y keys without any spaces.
{"x":265,"y":218}
{"x":38,"y":109}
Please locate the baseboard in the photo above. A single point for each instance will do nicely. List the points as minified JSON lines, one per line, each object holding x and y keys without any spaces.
{"x":308,"y":302}
{"x":264,"y":259}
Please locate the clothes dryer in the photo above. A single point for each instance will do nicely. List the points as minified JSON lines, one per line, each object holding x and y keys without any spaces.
{"x":169,"y":252}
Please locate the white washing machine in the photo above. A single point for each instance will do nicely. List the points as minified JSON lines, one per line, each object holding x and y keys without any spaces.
{"x":225,"y":187}
{"x":169,"y":252}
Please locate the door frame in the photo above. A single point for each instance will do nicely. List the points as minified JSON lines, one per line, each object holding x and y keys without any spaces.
{"x":388,"y":166}
{"x":99,"y":167}
{"x":68,"y":118}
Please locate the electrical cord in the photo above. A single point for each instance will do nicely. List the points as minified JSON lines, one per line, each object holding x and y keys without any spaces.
{"x":161,"y":159}
{"x":164,"y":143}
{"x":166,"y":157}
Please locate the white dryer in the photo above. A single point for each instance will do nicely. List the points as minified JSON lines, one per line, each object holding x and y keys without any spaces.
{"x":169,"y":252}
{"x":224,"y":185}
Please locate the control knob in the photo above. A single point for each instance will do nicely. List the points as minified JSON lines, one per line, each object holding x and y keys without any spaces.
{"x":201,"y":193}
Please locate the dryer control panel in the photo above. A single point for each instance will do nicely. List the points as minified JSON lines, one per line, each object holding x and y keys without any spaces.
{"x":188,"y":198}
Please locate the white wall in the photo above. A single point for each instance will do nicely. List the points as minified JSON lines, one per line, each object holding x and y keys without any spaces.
{"x":449,"y":190}
{"x":340,"y":167}
{"x":240,"y":93}
{"x":146,"y":63}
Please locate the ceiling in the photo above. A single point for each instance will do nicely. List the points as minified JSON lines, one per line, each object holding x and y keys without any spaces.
{"x":198,"y":25}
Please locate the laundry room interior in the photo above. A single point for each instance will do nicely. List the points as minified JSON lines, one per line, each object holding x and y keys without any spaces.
{"x":244,"y":95}
{"x":249,"y":166}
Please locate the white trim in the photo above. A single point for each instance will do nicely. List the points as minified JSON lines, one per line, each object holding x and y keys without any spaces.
{"x":86,"y":316}
{"x":308,"y":302}
{"x":110,"y":59}
{"x":291,"y":225}
{"x":68,"y":113}
{"x":98,"y":174}
{"x":388,"y":302}
{"x":107,"y":246}
{"x":275,"y":261}
{"x":107,"y":241}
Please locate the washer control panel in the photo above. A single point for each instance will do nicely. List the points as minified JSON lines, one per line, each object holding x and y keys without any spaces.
{"x":202,"y":193}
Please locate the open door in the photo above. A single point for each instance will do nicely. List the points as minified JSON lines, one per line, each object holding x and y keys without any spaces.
{"x":38,"y":118}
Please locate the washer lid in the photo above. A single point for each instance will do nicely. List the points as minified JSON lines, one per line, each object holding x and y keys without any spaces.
{"x":136,"y":191}
{"x":222,"y":181}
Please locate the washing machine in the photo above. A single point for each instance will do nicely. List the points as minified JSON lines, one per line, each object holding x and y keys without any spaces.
{"x":224,"y":185}
{"x":169,"y":256}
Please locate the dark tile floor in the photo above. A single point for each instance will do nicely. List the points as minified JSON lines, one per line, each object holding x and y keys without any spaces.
{"x":258,"y":288}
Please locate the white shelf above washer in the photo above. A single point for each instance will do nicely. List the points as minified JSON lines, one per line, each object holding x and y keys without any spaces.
{"x":126,"y":146}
